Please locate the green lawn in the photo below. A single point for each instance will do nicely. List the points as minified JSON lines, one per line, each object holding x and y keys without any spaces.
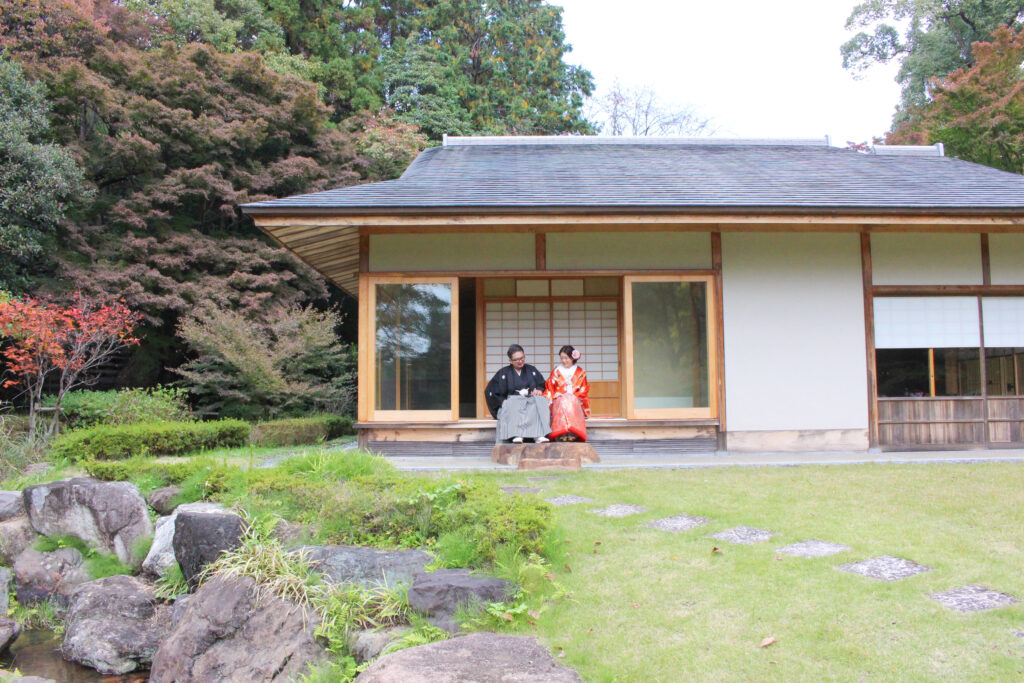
{"x":650,"y":605}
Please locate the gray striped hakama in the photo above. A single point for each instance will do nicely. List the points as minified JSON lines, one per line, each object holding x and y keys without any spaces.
{"x":525,"y":416}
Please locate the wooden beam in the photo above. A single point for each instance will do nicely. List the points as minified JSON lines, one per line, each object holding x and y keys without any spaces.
{"x":869,"y":338}
{"x":719,"y":323}
{"x":986,"y":261}
{"x":948,"y":290}
{"x":364,"y":253}
{"x":541,"y":246}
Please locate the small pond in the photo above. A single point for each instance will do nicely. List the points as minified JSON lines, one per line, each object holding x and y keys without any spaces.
{"x":37,"y":653}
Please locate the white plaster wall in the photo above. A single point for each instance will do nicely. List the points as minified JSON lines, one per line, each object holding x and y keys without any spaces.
{"x":914,"y":258}
{"x":628,"y":250}
{"x":452,"y":252}
{"x":794,"y":332}
{"x":1006,"y":259}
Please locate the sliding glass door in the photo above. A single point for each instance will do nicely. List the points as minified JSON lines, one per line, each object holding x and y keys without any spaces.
{"x":415,"y":355}
{"x":670,"y":349}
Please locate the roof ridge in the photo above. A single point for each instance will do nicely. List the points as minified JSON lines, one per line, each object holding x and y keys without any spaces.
{"x":462,"y":141}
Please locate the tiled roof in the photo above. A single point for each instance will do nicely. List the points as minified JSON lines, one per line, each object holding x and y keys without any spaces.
{"x":573,"y":174}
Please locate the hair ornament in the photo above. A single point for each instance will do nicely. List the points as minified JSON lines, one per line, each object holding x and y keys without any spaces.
{"x":576,"y":355}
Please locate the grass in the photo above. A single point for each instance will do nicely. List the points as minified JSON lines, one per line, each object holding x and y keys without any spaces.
{"x":98,"y":565}
{"x":649,"y":605}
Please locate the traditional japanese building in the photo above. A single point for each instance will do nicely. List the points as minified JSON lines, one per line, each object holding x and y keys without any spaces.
{"x":729,"y":295}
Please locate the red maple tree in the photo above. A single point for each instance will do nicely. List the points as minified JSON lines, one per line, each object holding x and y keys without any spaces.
{"x":63,"y":344}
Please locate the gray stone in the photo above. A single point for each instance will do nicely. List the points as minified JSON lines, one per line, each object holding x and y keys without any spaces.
{"x":974,"y":599}
{"x":227,"y":634}
{"x":162,"y":499}
{"x":521,"y":490}
{"x":813,"y":548}
{"x":200,"y":537}
{"x":178,"y":608}
{"x":619,"y":510}
{"x":440,"y":594}
{"x":885,"y":568}
{"x":679,"y":523}
{"x":367,"y":645}
{"x":290,"y":534}
{"x":8,"y":677}
{"x":9,"y":632}
{"x":16,"y":535}
{"x":114,"y":625}
{"x":161,"y":552}
{"x":559,"y":501}
{"x":11,"y":505}
{"x":110,"y":517}
{"x":39,"y":576}
{"x":743,"y":535}
{"x":480,"y":658}
{"x":6,"y":576}
{"x":353,"y":564}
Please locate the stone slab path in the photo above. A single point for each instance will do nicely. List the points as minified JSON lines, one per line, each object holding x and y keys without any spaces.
{"x":974,"y":599}
{"x":813,"y":548}
{"x":619,"y":510}
{"x":522,"y":490}
{"x":885,"y":568}
{"x":559,"y":501}
{"x":743,"y":535}
{"x":679,"y":523}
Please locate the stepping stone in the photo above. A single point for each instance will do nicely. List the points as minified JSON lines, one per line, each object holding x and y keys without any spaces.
{"x":974,"y":599}
{"x":744,"y":535}
{"x":679,"y":523}
{"x":885,"y":568}
{"x":813,"y":548}
{"x":619,"y":510}
{"x":521,"y":490}
{"x":559,"y":501}
{"x":545,"y":479}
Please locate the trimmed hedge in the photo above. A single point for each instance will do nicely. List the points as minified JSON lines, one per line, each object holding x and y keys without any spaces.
{"x":299,"y":431}
{"x":87,"y":408}
{"x":109,"y":442}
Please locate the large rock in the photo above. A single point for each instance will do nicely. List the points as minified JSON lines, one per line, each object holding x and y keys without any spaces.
{"x":199,"y":537}
{"x":6,"y":576}
{"x":9,"y":632}
{"x":162,"y":499}
{"x":161,"y":552}
{"x":11,"y":505}
{"x":440,"y":594}
{"x":114,"y":625}
{"x":56,"y":574}
{"x":16,"y":535}
{"x":354,"y":564}
{"x":226,"y":634}
{"x":479,"y":657}
{"x":110,"y":517}
{"x":367,"y":644}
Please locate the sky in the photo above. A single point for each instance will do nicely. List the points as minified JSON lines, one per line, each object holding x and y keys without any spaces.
{"x":756,"y":68}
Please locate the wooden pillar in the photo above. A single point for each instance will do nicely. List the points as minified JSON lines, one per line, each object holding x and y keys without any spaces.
{"x":869,"y":337}
{"x":719,"y":323}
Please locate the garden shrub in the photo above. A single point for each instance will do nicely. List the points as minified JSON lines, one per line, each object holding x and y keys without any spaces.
{"x":87,"y":408}
{"x":145,"y":473}
{"x":298,"y":431}
{"x":112,"y":442}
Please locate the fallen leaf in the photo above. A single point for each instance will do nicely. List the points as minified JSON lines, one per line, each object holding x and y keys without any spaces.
{"x":568,"y":568}
{"x":531,"y":622}
{"x":715,"y":550}
{"x":636,"y":606}
{"x":534,"y":613}
{"x":767,"y":641}
{"x":590,"y":630}
{"x":508,"y":617}
{"x":597,"y":542}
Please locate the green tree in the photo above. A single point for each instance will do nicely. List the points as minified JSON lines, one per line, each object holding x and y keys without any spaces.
{"x":39,"y":180}
{"x":929,"y":38}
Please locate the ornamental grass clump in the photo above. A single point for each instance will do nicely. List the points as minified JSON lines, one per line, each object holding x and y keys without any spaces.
{"x":113,"y":442}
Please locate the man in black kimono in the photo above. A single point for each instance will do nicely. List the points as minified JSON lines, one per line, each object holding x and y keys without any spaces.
{"x":515,"y":397}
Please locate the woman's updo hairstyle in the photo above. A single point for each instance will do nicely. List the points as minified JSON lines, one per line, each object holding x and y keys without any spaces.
{"x":513,"y":350}
{"x":570,"y":351}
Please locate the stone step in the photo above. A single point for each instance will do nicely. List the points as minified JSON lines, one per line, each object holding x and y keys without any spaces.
{"x":553,"y":455}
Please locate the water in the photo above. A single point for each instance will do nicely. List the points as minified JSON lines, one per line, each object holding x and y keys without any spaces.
{"x":37,"y":653}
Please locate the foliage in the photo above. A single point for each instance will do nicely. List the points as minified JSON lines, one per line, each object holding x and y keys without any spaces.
{"x":388,"y":145}
{"x":18,"y":449}
{"x":977,"y":112}
{"x":98,"y":565}
{"x":42,"y":616}
{"x":38,"y":179}
{"x":639,"y":112}
{"x":85,"y":408}
{"x":145,"y":472}
{"x":48,"y":342}
{"x":171,"y":583}
{"x":936,"y":38}
{"x":112,"y":442}
{"x":288,"y":362}
{"x":297,"y":431}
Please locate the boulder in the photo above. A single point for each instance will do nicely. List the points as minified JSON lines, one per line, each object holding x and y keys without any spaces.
{"x":114,"y":625}
{"x":290,"y":534}
{"x":440,"y":594}
{"x":354,"y":564}
{"x":39,"y":576}
{"x":11,"y":505}
{"x":6,"y":576}
{"x":110,"y":517}
{"x":9,"y":632}
{"x":162,"y":499}
{"x":367,"y":644}
{"x":226,"y":634}
{"x":161,"y":552}
{"x":11,"y":677}
{"x":178,"y":608}
{"x":476,"y":657}
{"x":199,"y":537}
{"x":16,"y":535}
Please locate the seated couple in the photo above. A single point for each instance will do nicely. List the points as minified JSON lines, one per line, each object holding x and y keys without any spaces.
{"x":526,"y":406}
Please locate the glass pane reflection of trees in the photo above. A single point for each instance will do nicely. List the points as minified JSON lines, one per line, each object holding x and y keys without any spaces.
{"x":414,"y":353}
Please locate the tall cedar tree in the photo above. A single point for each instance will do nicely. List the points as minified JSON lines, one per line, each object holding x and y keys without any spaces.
{"x":977,"y":112}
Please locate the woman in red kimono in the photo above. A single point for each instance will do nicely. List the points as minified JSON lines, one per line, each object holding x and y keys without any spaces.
{"x":569,"y":393}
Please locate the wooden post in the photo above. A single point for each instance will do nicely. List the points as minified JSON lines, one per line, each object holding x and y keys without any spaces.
{"x":869,"y":338}
{"x":541,"y":251}
{"x":719,"y":323}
